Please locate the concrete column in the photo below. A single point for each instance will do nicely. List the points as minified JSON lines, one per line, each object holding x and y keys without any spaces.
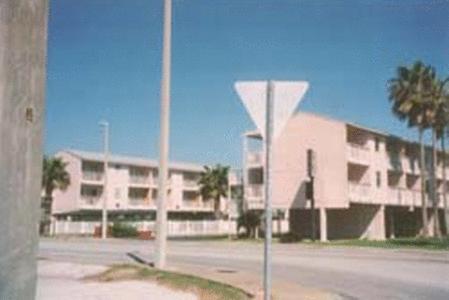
{"x":391,"y":223}
{"x":375,"y":229}
{"x":23,"y":39}
{"x":323,"y":224}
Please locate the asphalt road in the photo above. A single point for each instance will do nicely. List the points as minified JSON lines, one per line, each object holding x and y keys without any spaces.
{"x":354,"y":273}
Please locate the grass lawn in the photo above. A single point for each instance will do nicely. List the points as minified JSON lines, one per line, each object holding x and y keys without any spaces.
{"x":404,"y":243}
{"x":205,"y":289}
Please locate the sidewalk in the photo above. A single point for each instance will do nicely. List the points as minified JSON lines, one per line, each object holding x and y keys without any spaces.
{"x":64,"y":281}
{"x":252,"y":284}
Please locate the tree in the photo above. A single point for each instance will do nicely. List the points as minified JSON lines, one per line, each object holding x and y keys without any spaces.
{"x":54,"y":176}
{"x":214,"y":185}
{"x":440,"y":128}
{"x":410,"y":95}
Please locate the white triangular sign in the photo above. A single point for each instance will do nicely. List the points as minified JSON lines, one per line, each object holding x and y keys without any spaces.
{"x":253,"y":95}
{"x":287,"y":95}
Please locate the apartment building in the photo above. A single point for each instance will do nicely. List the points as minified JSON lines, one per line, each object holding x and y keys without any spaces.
{"x":367,"y":182}
{"x":131,"y":189}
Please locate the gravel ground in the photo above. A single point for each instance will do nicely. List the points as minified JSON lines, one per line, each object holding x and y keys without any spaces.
{"x":63,"y":281}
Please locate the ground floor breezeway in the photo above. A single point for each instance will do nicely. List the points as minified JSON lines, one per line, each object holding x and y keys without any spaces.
{"x":361,"y":221}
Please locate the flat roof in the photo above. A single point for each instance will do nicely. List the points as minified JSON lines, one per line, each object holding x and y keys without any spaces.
{"x":131,"y":160}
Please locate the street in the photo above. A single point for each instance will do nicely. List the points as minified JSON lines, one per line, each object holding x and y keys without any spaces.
{"x":353,"y":273}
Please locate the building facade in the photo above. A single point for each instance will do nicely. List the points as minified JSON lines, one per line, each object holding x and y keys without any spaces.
{"x":367,"y":183}
{"x":131,"y":190}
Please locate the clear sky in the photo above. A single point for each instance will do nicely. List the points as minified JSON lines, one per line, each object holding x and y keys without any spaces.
{"x":104,"y":63}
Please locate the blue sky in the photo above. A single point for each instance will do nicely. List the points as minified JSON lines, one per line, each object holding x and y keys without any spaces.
{"x":104,"y":63}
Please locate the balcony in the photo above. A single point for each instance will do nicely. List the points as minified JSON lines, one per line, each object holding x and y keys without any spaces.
{"x":358,"y":154}
{"x":195,"y":204}
{"x":359,"y":192}
{"x":254,"y":159}
{"x":139,"y":181}
{"x":92,"y":176}
{"x":411,"y":166}
{"x":402,"y":196}
{"x":140,"y":202}
{"x":254,"y":196}
{"x":90,"y":200}
{"x":190,"y":184}
{"x":254,"y":191}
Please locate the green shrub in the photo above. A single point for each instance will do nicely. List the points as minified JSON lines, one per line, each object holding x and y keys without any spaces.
{"x":122,"y":230}
{"x":290,"y":237}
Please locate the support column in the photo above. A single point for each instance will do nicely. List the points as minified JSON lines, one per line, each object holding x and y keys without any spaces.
{"x":376,"y":228}
{"x":323,"y":224}
{"x":391,"y":223}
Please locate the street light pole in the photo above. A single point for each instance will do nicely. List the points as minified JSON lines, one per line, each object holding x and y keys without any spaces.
{"x":268,"y":191}
{"x":104,"y":213}
{"x":161,"y":217}
{"x":229,"y":192}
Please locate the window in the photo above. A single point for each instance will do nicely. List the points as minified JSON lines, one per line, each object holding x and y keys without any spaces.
{"x":378,"y":179}
{"x":377,"y":142}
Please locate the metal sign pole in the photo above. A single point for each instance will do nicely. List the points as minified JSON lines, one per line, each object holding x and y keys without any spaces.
{"x":268,"y":208}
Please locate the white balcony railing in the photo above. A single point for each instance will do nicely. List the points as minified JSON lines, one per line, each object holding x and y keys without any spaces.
{"x":254,"y":158}
{"x":190,"y":183}
{"x":359,"y":192}
{"x":139,"y":201}
{"x":92,"y":176}
{"x":358,"y":153}
{"x":90,"y":200}
{"x":196,"y":204}
{"x":254,"y":191}
{"x":190,"y":203}
{"x":139,"y":179}
{"x":400,"y":196}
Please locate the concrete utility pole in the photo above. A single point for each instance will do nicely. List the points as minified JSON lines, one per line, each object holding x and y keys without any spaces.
{"x":104,"y":212}
{"x":23,"y":47}
{"x":161,"y":217}
{"x":268,"y":191}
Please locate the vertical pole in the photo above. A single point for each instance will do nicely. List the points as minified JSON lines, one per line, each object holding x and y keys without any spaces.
{"x":323,"y":224}
{"x":104,"y":219}
{"x":244,"y":171}
{"x":161,"y":217}
{"x":229,"y":204}
{"x":23,"y":40}
{"x":268,"y":191}
{"x":312,"y":209}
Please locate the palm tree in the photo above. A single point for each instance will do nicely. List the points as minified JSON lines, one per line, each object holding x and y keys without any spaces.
{"x":54,"y":176}
{"x":409,"y":94}
{"x":440,"y":129}
{"x":214,"y":185}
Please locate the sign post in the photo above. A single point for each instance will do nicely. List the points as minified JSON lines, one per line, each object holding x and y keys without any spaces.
{"x":270,"y":105}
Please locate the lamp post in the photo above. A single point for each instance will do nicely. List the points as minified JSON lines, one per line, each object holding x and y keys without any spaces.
{"x":161,"y":216}
{"x":104,"y":212}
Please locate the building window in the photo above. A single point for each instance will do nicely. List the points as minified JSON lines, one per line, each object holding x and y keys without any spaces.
{"x":378,"y":179}
{"x":377,"y":142}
